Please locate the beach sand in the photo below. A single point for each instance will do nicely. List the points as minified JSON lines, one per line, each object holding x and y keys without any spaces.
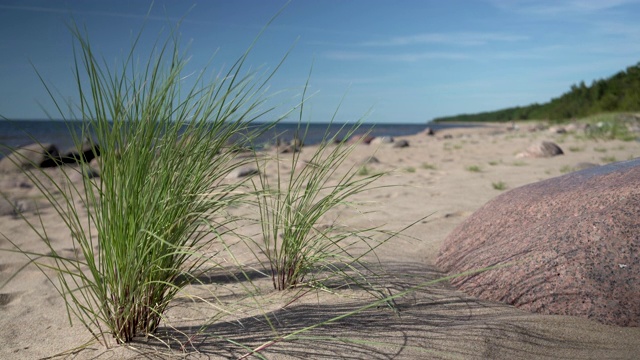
{"x":436,"y":182}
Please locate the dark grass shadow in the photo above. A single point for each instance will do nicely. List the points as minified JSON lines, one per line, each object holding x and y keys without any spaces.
{"x":227,"y":276}
{"x":331,"y":276}
{"x":434,"y":322}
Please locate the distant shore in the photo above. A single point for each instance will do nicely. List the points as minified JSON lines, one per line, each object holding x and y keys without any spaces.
{"x":23,"y":132}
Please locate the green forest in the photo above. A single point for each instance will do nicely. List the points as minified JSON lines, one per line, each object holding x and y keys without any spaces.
{"x":621,"y":92}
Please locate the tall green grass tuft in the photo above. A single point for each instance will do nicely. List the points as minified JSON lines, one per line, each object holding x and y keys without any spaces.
{"x":298,"y":236}
{"x":165,"y":150}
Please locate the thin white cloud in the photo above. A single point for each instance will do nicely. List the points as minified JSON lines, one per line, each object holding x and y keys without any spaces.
{"x":34,"y":9}
{"x":537,"y":53}
{"x":598,"y":5}
{"x":559,"y":7}
{"x":394,"y":57}
{"x":459,"y":38}
{"x":626,"y":30}
{"x":69,"y":11}
{"x":358,"y":80}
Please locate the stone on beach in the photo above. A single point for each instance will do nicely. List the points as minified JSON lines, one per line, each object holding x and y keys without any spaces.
{"x":543,"y":149}
{"x":287,"y":149}
{"x":84,"y":152}
{"x":47,"y":155}
{"x":379,"y":140}
{"x":557,"y":130}
{"x":401,"y":144}
{"x":428,"y":131}
{"x":360,"y":139}
{"x":244,"y":171}
{"x":572,"y":242}
{"x":7,"y":207}
{"x":34,"y":155}
{"x":370,"y":160}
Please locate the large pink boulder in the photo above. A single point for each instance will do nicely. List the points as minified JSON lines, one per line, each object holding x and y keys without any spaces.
{"x":572,"y":242}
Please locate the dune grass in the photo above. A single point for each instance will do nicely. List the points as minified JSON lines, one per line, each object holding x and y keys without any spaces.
{"x":364,"y":170}
{"x":429,"y":166}
{"x":499,"y":185}
{"x":165,"y":150}
{"x":567,"y":169}
{"x":298,"y":238}
{"x":609,"y":126}
{"x":473,"y":168}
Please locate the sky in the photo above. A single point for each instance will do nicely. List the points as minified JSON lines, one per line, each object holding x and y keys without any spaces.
{"x":387,"y":61}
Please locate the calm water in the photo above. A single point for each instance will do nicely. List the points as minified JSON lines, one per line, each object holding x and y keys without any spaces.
{"x":19,"y":133}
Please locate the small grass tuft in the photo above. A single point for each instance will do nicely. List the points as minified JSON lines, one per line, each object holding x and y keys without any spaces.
{"x":474,"y":168}
{"x":566,"y":169}
{"x":500,"y":185}
{"x":364,"y":171}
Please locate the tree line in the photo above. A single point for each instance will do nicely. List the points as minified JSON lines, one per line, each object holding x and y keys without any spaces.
{"x":620,"y":92}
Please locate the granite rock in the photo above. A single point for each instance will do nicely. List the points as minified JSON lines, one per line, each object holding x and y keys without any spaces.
{"x":543,"y":149}
{"x":401,"y":143}
{"x":30,"y":156}
{"x":572,"y":245}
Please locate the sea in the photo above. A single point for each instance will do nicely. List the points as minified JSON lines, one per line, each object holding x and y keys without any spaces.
{"x":16,"y":133}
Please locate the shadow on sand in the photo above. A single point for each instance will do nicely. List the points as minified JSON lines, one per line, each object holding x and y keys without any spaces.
{"x":434,"y":322}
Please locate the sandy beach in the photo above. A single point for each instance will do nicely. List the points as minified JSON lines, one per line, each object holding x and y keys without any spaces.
{"x":437,"y":182}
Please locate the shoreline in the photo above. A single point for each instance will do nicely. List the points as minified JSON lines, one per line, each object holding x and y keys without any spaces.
{"x":18,"y":133}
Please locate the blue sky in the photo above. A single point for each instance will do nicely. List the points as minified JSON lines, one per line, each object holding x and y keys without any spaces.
{"x":406,"y":61}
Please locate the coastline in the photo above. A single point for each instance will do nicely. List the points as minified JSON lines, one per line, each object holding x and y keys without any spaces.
{"x":23,"y":132}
